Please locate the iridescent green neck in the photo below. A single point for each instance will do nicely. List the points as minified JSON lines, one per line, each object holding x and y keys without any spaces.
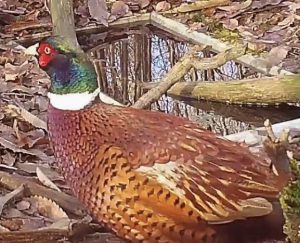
{"x":72,"y":74}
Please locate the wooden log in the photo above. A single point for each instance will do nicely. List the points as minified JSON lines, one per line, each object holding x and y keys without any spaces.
{"x":253,"y":115}
{"x":267,"y":90}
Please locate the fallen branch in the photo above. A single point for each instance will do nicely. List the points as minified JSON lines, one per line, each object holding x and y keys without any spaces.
{"x":67,"y":202}
{"x":266,"y":90}
{"x":182,"y":67}
{"x":173,"y":76}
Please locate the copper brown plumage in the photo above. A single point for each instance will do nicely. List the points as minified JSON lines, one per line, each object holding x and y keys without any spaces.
{"x":152,"y":177}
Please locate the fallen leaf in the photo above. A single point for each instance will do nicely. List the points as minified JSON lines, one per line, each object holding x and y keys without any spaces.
{"x":13,"y":213}
{"x":25,"y":115}
{"x":22,"y":224}
{"x":261,"y":4}
{"x":162,"y":6}
{"x":45,"y":180}
{"x":236,"y":6}
{"x":30,"y":168}
{"x":23,"y":205}
{"x":8,"y":159}
{"x":48,"y":208}
{"x":13,"y":147}
{"x":119,"y":9}
{"x":3,"y":229}
{"x":230,"y":24}
{"x":35,"y":152}
{"x":98,"y":11}
{"x":13,"y":72}
{"x":9,"y":196}
{"x":276,"y":55}
{"x":144,"y":3}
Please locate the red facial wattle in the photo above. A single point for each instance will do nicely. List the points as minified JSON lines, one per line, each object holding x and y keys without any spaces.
{"x":46,"y":54}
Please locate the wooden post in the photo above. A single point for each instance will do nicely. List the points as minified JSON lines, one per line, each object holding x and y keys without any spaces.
{"x":63,"y":20}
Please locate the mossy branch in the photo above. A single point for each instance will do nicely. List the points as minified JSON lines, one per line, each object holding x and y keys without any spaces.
{"x":267,"y":90}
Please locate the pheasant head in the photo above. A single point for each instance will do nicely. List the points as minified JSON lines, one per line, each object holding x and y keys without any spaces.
{"x":73,"y":78}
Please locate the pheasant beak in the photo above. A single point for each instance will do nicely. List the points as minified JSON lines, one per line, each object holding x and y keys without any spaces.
{"x":32,"y":50}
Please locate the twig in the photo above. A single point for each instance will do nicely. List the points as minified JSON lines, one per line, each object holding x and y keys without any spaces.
{"x":173,"y":76}
{"x":183,"y":66}
{"x":269,"y":130}
{"x":218,"y":60}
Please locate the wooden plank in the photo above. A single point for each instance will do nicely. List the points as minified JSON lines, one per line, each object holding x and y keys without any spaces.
{"x":126,"y":22}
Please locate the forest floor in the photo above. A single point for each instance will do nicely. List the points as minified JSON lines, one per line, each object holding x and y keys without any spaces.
{"x":270,"y":29}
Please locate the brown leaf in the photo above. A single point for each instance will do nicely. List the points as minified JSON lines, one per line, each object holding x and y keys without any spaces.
{"x":8,"y":159}
{"x":162,"y":6}
{"x":144,"y":3}
{"x":236,"y":6}
{"x":30,"y":168}
{"x":3,"y":229}
{"x":13,"y":213}
{"x":119,"y":9}
{"x":230,"y":24}
{"x":276,"y":55}
{"x":23,"y":205}
{"x":98,"y":11}
{"x":22,"y":224}
{"x":9,"y":196}
{"x":261,"y":4}
{"x":23,"y":114}
{"x":13,"y":72}
{"x":48,"y":208}
{"x":45,"y":180}
{"x":13,"y":147}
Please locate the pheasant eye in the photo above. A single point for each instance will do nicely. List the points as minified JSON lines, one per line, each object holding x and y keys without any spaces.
{"x":47,"y":50}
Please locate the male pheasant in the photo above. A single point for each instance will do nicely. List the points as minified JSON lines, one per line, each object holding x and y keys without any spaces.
{"x":152,"y":177}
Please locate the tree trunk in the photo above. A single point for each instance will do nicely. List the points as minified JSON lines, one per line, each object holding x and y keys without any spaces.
{"x":63,"y":20}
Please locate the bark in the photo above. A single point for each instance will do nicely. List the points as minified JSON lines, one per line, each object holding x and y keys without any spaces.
{"x":268,"y":90}
{"x":182,"y":67}
{"x":173,"y":76}
{"x":63,"y":20}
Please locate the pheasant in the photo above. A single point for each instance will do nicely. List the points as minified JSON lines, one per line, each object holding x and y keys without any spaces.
{"x":152,"y":177}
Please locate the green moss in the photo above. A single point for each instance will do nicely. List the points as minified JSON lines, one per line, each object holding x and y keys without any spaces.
{"x":290,"y":202}
{"x":227,"y":35}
